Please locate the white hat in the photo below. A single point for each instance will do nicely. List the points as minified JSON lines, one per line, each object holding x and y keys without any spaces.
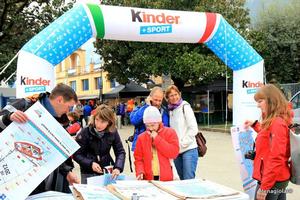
{"x":151,"y":114}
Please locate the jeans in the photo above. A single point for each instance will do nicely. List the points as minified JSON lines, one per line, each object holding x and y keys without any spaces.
{"x":186,"y":164}
{"x":274,"y":193}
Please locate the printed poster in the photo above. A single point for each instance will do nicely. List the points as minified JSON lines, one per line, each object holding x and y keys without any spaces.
{"x":243,"y":142}
{"x":29,"y":152}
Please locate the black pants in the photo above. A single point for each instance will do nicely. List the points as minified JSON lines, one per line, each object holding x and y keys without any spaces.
{"x":275,"y":193}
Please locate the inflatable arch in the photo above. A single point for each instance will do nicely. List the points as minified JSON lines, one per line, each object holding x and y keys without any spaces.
{"x":35,"y":71}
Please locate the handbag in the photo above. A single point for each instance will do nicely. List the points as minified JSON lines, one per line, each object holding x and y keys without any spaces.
{"x":200,"y":140}
{"x":201,"y":143}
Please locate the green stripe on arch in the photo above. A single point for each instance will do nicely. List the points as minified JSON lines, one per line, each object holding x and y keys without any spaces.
{"x":98,"y":19}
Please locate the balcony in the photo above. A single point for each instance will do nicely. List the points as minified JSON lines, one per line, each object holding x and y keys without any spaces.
{"x":71,"y":71}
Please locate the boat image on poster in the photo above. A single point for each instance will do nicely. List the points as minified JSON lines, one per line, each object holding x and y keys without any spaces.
{"x":29,"y":149}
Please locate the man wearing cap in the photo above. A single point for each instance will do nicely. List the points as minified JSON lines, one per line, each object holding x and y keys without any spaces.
{"x":154,"y":148}
{"x":155,"y":99}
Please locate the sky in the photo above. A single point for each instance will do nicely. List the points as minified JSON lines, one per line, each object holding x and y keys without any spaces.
{"x":257,"y":6}
{"x":89,"y":47}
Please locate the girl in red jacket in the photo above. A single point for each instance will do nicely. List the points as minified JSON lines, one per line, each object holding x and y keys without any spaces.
{"x":271,"y":167}
{"x":154,"y":148}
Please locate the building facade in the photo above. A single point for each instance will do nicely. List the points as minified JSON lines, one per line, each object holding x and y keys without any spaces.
{"x":88,"y":80}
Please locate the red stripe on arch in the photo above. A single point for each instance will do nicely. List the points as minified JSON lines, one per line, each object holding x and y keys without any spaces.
{"x":211,"y":19}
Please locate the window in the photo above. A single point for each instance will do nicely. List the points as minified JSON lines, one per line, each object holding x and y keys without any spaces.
{"x":296,"y":107}
{"x":296,"y":101}
{"x":73,"y":85}
{"x":112,"y":83}
{"x":98,"y":83}
{"x":85,"y":84}
{"x":75,"y":60}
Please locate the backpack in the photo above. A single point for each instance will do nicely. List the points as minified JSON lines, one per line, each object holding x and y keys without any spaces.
{"x":200,"y":140}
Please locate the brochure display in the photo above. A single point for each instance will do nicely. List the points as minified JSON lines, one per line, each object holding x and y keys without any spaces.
{"x":184,"y":189}
{"x":150,"y":190}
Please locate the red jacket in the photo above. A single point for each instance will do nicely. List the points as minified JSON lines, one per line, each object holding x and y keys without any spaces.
{"x":74,"y":128}
{"x":167,"y":145}
{"x":272,"y":154}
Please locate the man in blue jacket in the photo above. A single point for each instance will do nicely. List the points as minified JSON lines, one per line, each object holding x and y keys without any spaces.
{"x":155,"y":98}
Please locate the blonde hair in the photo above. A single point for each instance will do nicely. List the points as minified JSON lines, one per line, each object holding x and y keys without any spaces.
{"x":169,"y":90}
{"x":105,"y":113}
{"x":156,"y":89}
{"x":276,"y":105}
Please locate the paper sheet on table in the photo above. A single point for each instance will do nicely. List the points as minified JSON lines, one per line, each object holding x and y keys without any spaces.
{"x":91,"y":192}
{"x":197,"y":188}
{"x":51,"y":195}
{"x":144,"y":190}
{"x":106,"y":179}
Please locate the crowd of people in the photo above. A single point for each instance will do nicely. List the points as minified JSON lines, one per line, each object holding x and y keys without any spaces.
{"x":163,"y":145}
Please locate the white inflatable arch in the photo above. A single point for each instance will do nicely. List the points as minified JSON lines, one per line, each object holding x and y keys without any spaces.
{"x":39,"y":56}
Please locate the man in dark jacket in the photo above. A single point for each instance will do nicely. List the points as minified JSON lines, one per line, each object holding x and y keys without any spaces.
{"x":155,"y":98}
{"x":57,"y":103}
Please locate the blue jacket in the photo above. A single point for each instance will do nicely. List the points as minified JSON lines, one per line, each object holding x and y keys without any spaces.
{"x":136,"y":119}
{"x":87,"y":109}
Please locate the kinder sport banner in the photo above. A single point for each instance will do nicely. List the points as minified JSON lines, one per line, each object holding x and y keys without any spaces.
{"x":37,"y":59}
{"x":39,"y":56}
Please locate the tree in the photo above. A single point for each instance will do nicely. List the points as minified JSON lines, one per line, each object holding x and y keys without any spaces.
{"x":186,"y":63}
{"x":20,"y":20}
{"x":278,"y":28}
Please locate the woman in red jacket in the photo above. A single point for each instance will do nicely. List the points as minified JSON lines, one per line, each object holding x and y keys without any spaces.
{"x":271,"y":167}
{"x":154,"y":148}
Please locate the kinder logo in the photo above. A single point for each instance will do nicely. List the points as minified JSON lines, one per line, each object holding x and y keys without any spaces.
{"x":251,"y":86}
{"x":138,"y":16}
{"x":38,"y":81}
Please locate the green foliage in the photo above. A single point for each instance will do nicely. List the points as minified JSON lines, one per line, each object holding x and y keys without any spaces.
{"x":20,"y":21}
{"x":187,"y":63}
{"x":279,"y":29}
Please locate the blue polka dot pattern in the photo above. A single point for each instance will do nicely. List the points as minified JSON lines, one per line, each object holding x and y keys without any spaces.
{"x":229,"y":44}
{"x":62,"y":37}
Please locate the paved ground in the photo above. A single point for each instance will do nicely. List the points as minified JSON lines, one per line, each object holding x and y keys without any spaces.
{"x":218,"y":165}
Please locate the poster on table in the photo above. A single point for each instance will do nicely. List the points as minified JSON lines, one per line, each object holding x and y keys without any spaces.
{"x":183,"y":189}
{"x":30,"y":151}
